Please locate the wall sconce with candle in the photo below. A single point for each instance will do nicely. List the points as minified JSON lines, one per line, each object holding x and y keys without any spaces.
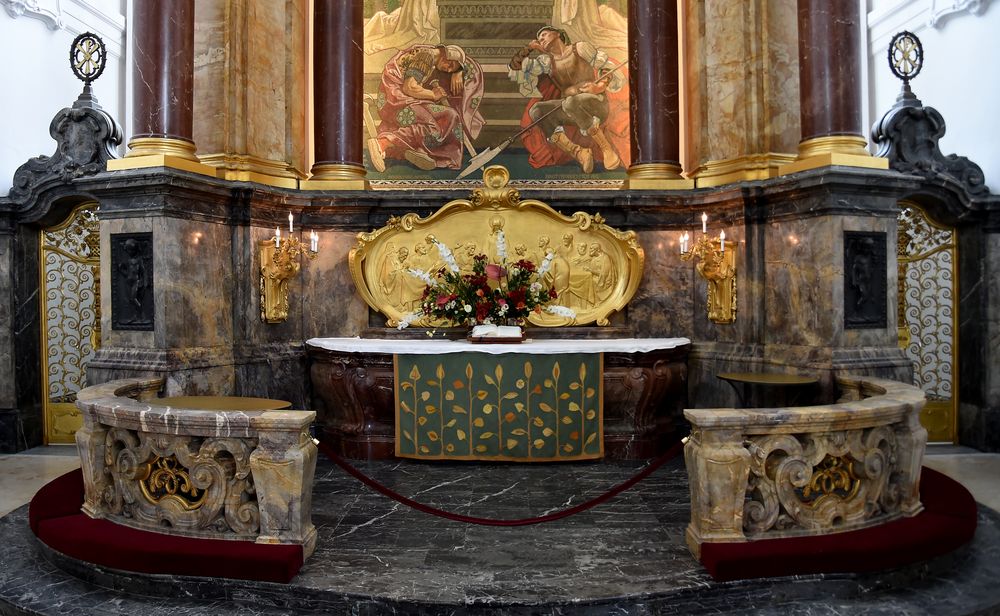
{"x":716,"y":265}
{"x":280,"y":260}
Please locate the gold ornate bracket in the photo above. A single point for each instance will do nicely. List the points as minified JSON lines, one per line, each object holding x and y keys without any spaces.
{"x":280,"y":261}
{"x":595,"y":269}
{"x":718,"y":266}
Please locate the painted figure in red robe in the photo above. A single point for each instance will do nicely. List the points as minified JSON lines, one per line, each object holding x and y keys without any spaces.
{"x":428,"y":101}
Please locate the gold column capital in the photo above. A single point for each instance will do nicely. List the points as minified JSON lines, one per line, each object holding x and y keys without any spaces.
{"x":657,"y":176}
{"x":828,"y":150}
{"x":336,"y":176}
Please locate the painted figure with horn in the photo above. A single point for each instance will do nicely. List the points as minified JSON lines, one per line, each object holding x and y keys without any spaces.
{"x":428,"y":101}
{"x":579,"y":100}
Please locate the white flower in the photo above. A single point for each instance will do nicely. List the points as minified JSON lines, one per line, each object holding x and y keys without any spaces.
{"x":468,"y":308}
{"x":421,"y":274}
{"x":445,"y":253}
{"x":501,"y":246}
{"x":561,"y":311}
{"x":408,"y":319}
{"x":536,"y":286}
{"x":546,"y":263}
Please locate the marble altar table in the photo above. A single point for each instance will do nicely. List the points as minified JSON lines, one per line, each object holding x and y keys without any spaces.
{"x":644,"y":388}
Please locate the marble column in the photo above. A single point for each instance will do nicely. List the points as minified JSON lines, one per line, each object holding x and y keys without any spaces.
{"x":654,"y":108}
{"x":163,"y":79}
{"x":251,"y":82}
{"x":338,"y":71}
{"x":830,"y":86}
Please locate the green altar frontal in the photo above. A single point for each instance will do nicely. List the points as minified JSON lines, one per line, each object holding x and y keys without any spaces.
{"x":518,"y":407}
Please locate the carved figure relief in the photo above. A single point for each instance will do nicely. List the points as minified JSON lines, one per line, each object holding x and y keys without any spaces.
{"x":132,"y":281}
{"x":864,"y":280}
{"x":594,"y":268}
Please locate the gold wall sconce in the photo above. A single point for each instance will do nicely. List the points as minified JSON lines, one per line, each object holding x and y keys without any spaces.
{"x":280,"y":261}
{"x":717,"y":266}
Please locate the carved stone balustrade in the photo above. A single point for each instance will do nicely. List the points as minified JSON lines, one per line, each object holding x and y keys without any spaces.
{"x":781,"y":472}
{"x":244,"y":475}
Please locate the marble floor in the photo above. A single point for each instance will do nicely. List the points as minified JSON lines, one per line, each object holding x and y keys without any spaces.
{"x":388,"y":552}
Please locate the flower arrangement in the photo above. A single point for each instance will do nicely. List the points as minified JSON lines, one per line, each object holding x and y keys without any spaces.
{"x":492,"y":293}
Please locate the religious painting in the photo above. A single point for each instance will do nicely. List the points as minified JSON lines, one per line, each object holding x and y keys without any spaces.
{"x":865,"y":276}
{"x":539,"y":86}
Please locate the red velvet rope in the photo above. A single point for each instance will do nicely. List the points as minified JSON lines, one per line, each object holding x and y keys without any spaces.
{"x":615,"y":491}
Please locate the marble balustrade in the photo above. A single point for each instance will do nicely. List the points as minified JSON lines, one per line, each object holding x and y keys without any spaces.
{"x":780,"y":472}
{"x":244,"y":475}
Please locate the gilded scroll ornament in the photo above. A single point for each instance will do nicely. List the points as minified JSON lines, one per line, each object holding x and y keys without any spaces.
{"x":166,"y":479}
{"x":800,"y":484}
{"x":187,"y":483}
{"x":595,"y":269}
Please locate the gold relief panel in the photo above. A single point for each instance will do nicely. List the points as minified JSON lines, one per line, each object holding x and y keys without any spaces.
{"x":595,"y":268}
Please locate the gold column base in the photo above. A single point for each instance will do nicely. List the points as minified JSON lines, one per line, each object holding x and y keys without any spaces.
{"x":743,"y":169}
{"x":336,"y":176}
{"x":656,"y":176}
{"x":247,"y":168}
{"x":145,"y":152}
{"x":843,"y":150}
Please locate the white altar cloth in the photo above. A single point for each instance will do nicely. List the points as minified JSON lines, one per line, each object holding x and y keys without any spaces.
{"x":433,"y":346}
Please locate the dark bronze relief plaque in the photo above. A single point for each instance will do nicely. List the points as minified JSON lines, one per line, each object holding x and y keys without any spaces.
{"x":132,"y":281}
{"x":865,"y":278}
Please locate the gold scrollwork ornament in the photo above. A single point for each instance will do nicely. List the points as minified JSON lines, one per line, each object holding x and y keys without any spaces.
{"x":718,"y":267}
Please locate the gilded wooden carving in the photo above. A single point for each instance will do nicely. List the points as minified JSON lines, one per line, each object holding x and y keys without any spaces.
{"x":595,"y":268}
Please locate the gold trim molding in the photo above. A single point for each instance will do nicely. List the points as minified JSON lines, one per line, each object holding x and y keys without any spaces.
{"x":247,"y":168}
{"x":829,"y":150}
{"x":336,"y":176}
{"x":151,"y":146}
{"x":595,"y":268}
{"x":743,"y":169}
{"x":657,"y":176}
{"x":146,"y":152}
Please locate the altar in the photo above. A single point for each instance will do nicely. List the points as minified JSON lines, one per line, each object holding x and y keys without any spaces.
{"x":541,"y":400}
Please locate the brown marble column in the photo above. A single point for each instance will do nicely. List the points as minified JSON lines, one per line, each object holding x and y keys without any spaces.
{"x":655,"y":95}
{"x":830,"y":78}
{"x":338,"y":71}
{"x":163,"y":78}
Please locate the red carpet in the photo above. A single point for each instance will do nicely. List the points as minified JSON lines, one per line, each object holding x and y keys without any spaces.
{"x":947,"y":522}
{"x":55,"y":518}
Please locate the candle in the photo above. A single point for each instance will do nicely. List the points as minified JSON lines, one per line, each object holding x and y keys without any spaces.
{"x":704,"y":222}
{"x":313,"y":241}
{"x":722,"y":240}
{"x":277,"y":237}
{"x":289,"y":223}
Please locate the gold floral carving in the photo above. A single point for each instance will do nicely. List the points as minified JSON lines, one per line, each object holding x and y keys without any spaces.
{"x":596,"y":269}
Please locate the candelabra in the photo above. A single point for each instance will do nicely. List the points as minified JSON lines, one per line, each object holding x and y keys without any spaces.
{"x":717,"y":266}
{"x":280,"y":261}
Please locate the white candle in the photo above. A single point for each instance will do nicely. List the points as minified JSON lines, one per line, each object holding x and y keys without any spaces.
{"x":289,"y":223}
{"x":722,"y":240}
{"x":704,"y":222}
{"x":313,"y":241}
{"x":277,"y":237}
